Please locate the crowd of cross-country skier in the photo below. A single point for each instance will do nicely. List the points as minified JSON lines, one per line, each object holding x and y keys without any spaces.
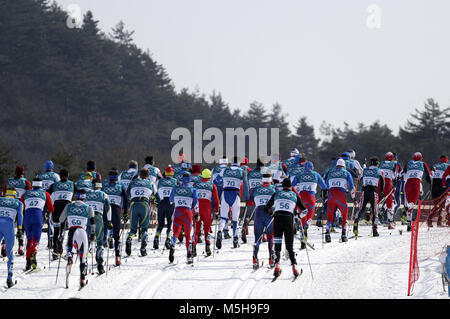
{"x":92,"y":213}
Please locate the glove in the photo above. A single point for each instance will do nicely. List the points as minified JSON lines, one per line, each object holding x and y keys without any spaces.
{"x":92,"y":237}
{"x":125,"y":218}
{"x":296,"y":219}
{"x":19,"y":232}
{"x":109,"y":225}
{"x":217,"y":215}
{"x":353,"y":194}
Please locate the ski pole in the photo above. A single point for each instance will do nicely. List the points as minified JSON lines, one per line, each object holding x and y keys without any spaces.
{"x":215,"y":236}
{"x":60,"y":254}
{"x":307,"y":254}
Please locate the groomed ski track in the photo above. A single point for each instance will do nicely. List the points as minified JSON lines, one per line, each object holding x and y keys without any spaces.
{"x":363,"y":268}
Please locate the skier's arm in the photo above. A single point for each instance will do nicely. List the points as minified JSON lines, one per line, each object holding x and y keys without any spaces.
{"x":215,"y":199}
{"x":295,"y":181}
{"x":245,"y":183}
{"x":427,"y":173}
{"x":300,"y":203}
{"x":125,"y":199}
{"x":63,"y":215}
{"x":107,"y":208}
{"x":321,"y":182}
{"x":269,"y":204}
{"x":92,"y":220}
{"x":48,"y":202}
{"x":284,"y":167}
{"x":28,"y":185}
{"x":251,"y":199}
{"x":20,"y":214}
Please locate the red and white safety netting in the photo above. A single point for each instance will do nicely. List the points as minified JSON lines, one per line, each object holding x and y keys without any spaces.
{"x":430,"y":234}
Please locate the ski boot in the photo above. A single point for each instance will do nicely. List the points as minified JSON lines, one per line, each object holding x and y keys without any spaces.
{"x":355,"y":229}
{"x":208,"y":250}
{"x":344,"y":238}
{"x":226,"y":234}
{"x":180,"y":237}
{"x":33,"y":261}
{"x":277,"y":270}
{"x":327,"y":237}
{"x":3,"y":250}
{"x":100,"y":268}
{"x":295,"y":272}
{"x":9,"y":280}
{"x":255,"y":263}
{"x":55,"y":255}
{"x":118,"y":263}
{"x":302,"y":245}
{"x":167,"y":243}
{"x":200,"y":239}
{"x":194,"y":251}
{"x":143,"y":250}
{"x":128,"y":246}
{"x":235,"y":242}
{"x":429,"y":223}
{"x":190,"y":258}
{"x":83,"y":272}
{"x":20,"y":251}
{"x":332,"y":230}
{"x":244,"y":236}
{"x":271,"y":262}
{"x":156,"y":242}
{"x":219,"y":240}
{"x":391,"y":225}
{"x":408,"y":228}
{"x":319,"y":223}
{"x":375,"y":231}
{"x":439,"y":222}
{"x":171,"y":253}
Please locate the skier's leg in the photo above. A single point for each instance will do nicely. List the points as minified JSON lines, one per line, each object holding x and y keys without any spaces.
{"x":116,"y":221}
{"x":99,"y":232}
{"x":288,"y":231}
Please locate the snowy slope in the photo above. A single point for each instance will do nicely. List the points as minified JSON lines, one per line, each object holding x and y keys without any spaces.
{"x":364,"y":268}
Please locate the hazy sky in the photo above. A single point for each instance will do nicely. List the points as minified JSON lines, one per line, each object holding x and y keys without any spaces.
{"x":316,"y":58}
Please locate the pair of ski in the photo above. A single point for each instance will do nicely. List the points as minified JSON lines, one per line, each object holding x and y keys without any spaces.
{"x":68,"y":270}
{"x":293,"y":279}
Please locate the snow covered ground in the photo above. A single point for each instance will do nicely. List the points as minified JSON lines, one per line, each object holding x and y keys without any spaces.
{"x":364,"y":268}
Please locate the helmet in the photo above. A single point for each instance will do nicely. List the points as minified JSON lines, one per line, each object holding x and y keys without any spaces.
{"x":294,"y":152}
{"x":48,"y":165}
{"x":309,"y":166}
{"x":340,"y":162}
{"x":244,"y":161}
{"x":417,"y":156}
{"x":11,"y":192}
{"x":113,"y":174}
{"x":132,"y":164}
{"x":169,"y":171}
{"x":374,"y":161}
{"x":206,"y":174}
{"x":266,"y":171}
{"x":389,"y":156}
{"x":345,"y":154}
{"x":181,"y":158}
{"x":20,"y":170}
{"x":443,"y":159}
{"x":196,"y":168}
{"x":88,"y":175}
{"x":223,"y":160}
{"x":351,"y":153}
{"x":37,"y":182}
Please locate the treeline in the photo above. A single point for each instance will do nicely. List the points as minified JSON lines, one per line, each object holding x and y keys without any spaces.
{"x":74,"y":94}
